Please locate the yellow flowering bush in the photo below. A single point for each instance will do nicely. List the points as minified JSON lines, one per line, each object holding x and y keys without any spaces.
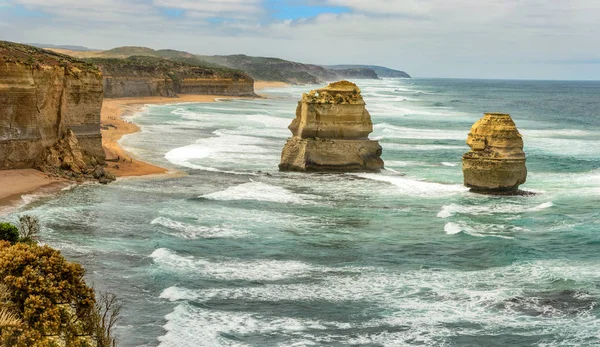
{"x":50,"y":297}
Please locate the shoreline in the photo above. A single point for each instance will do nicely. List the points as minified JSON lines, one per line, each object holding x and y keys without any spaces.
{"x":114,"y":127}
{"x":22,"y":182}
{"x":16,"y":184}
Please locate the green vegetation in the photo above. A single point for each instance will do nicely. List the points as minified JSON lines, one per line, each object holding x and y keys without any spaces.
{"x":9,"y":232}
{"x":44,"y":300}
{"x":176,"y":69}
{"x":127,"y":51}
{"x":27,"y":231}
{"x":132,"y":54}
{"x":273,"y":69}
{"x":33,"y":56}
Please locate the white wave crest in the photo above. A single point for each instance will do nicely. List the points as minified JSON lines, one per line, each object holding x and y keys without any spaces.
{"x":453,"y":209}
{"x":188,"y":231}
{"x":261,"y":192}
{"x":226,"y":269}
{"x":415,"y":300}
{"x":407,"y":186}
{"x":482,"y":230}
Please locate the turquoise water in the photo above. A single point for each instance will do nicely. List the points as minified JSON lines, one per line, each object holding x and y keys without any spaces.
{"x":238,"y":254}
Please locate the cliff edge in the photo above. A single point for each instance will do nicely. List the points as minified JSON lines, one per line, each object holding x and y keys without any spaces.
{"x":142,"y":76}
{"x":49,"y":112}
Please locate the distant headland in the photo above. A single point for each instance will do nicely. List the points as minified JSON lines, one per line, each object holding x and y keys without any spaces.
{"x":259,"y":68}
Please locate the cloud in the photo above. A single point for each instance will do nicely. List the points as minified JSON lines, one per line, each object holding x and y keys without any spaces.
{"x":233,"y":7}
{"x":426,"y":37}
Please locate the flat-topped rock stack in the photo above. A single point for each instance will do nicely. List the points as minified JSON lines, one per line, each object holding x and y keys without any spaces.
{"x":496,"y":162}
{"x":331,"y":133}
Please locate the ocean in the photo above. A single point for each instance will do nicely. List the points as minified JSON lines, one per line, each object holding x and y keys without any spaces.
{"x":236,"y":253}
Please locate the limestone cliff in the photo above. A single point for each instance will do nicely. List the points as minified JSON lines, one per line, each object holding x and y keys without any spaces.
{"x":330,"y":133}
{"x":140,"y":76}
{"x":496,"y":161}
{"x":46,"y":97}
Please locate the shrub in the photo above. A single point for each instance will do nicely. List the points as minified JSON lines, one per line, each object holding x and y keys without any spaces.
{"x":50,"y":297}
{"x":8,"y":317}
{"x":9,"y":232}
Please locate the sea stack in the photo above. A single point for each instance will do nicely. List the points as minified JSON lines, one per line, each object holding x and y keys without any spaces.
{"x":496,"y":162}
{"x":331,"y":133}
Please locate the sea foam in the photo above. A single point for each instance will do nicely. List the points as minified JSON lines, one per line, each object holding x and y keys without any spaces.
{"x":188,"y":231}
{"x":260,"y":191}
{"x":229,"y":269}
{"x":453,"y":209}
{"x":408,"y":186}
{"x":433,"y":302}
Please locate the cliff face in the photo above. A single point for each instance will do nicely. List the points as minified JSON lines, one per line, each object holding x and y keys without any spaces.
{"x":151,"y":76}
{"x":496,"y":161}
{"x":330,"y":133}
{"x":44,"y":97}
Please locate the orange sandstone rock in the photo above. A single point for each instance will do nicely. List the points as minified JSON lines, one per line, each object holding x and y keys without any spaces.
{"x":330,"y":133}
{"x":496,"y":161}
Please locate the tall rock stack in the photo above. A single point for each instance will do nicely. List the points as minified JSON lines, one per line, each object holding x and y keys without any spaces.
{"x":330,"y":133}
{"x":496,"y":162}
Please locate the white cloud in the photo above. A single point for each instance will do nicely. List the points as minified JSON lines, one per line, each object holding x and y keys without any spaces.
{"x":214,"y":6}
{"x":425,"y":37}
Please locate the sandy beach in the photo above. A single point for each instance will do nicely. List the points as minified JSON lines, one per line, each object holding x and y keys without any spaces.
{"x":114,"y":127}
{"x":260,"y":85}
{"x":16,"y":183}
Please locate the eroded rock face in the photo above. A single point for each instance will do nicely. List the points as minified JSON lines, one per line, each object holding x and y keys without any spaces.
{"x":150,"y":76}
{"x":330,"y":133}
{"x":66,"y":159}
{"x":45,"y":98}
{"x":496,"y":161}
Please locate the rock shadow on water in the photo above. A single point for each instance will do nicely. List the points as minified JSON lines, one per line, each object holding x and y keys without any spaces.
{"x":498,"y":340}
{"x":566,"y":302}
{"x":518,"y":192}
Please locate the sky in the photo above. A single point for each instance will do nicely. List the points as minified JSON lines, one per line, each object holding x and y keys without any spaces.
{"x":507,"y":39}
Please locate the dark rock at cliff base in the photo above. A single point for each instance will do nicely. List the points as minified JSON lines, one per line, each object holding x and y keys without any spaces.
{"x":496,"y":162}
{"x":330,"y":133}
{"x":66,"y":159}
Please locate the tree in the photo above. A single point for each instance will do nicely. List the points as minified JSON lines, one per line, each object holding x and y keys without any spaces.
{"x":29,"y":229}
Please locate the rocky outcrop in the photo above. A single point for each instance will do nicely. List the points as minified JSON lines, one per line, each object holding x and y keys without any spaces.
{"x":66,"y":158}
{"x":330,"y":133}
{"x":141,"y":76}
{"x":496,"y":162}
{"x":44,"y":98}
